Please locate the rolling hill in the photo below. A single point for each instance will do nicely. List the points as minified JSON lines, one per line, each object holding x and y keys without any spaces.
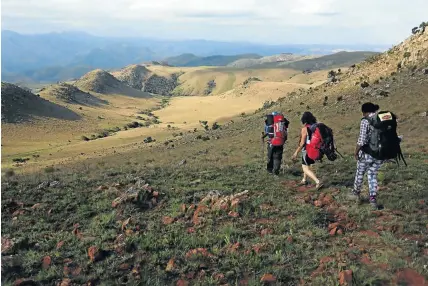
{"x":67,"y":93}
{"x":190,"y":60}
{"x":279,"y":59}
{"x":19,"y":105}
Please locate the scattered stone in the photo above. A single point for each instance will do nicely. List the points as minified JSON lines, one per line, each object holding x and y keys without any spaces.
{"x":198,"y":252}
{"x":233,"y":214}
{"x":94,"y":254}
{"x":43,"y":185}
{"x":423,"y":114}
{"x":268,"y":278}
{"x":46,"y":262}
{"x":166,"y":220}
{"x":60,"y":244}
{"x":266,"y":231}
{"x":182,"y":282}
{"x":170,"y":265}
{"x":6,"y":245}
{"x":345,"y":277}
{"x":410,"y":277}
{"x":65,"y":282}
{"x":182,"y":162}
{"x":54,"y":184}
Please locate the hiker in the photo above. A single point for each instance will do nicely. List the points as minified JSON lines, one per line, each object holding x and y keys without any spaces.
{"x":308,"y":120}
{"x":276,"y":130}
{"x":377,"y":142}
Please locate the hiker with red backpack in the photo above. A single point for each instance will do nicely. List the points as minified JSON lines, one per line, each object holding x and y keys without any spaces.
{"x":316,"y":140}
{"x":308,"y":119}
{"x":276,"y":126}
{"x":377,"y":142}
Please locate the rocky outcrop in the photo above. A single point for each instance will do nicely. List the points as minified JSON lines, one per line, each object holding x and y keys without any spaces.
{"x":134,"y":76}
{"x":160,"y":84}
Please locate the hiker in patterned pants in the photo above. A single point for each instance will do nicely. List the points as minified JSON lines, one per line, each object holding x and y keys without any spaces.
{"x":368,"y":164}
{"x":365,"y":162}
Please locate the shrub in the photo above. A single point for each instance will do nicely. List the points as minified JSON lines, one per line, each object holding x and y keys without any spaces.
{"x":49,"y":170}
{"x":340,"y":98}
{"x":20,"y":160}
{"x":215,"y":126}
{"x":407,"y":55}
{"x":9,"y":173}
{"x":84,"y":138}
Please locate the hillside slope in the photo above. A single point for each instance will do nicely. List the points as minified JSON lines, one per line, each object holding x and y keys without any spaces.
{"x":278,"y":59}
{"x":337,"y":60}
{"x":19,"y":105}
{"x":190,"y":60}
{"x":67,"y":93}
{"x":102,"y":82}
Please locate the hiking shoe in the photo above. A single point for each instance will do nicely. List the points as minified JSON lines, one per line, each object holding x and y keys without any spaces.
{"x":302,"y":183}
{"x":373,"y":203}
{"x":319,"y":186}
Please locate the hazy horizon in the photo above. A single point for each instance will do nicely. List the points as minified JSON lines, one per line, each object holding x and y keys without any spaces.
{"x":271,"y":22}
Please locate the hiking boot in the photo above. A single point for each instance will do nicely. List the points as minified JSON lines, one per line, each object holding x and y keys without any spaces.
{"x":302,"y":183}
{"x":319,"y":186}
{"x":354,"y":196}
{"x":373,"y":203}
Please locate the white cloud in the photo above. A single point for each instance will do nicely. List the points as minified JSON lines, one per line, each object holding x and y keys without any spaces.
{"x":274,"y":21}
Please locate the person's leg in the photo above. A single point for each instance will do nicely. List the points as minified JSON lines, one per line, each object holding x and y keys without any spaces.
{"x":362,"y":166}
{"x":372,"y":180}
{"x":269,"y":166}
{"x":277,"y":158}
{"x":308,"y":172}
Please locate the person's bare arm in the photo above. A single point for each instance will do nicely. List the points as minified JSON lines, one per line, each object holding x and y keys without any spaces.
{"x":303,"y":135}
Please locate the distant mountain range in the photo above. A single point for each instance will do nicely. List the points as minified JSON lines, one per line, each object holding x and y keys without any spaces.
{"x":191,"y":60}
{"x":61,"y":56}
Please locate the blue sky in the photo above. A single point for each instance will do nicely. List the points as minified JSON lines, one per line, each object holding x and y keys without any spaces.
{"x":385,"y":22}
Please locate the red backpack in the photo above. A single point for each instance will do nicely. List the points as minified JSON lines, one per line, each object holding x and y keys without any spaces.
{"x":320,"y":142}
{"x":277,"y":129}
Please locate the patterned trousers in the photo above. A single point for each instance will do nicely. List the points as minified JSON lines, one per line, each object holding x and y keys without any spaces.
{"x":370,"y":165}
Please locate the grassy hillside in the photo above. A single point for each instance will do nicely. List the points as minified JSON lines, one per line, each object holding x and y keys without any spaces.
{"x":337,"y":60}
{"x":190,"y":60}
{"x":199,"y":209}
{"x":19,"y":105}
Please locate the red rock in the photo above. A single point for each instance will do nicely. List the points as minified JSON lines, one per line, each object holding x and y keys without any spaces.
{"x":243,"y":282}
{"x":265,"y":207}
{"x":345,"y":277}
{"x":60,"y":244}
{"x":93,"y":253}
{"x":46,"y":262}
{"x":266,"y":231}
{"x":333,"y":225}
{"x":191,"y":230}
{"x":257,"y":248}
{"x":155,"y":194}
{"x":166,"y":220}
{"x":6,"y":244}
{"x":268,"y":278}
{"x":318,"y":271}
{"x":233,"y":214}
{"x":318,"y":203}
{"x":191,"y":275}
{"x":410,"y":277}
{"x":183,"y":208}
{"x":333,"y":231}
{"x":124,"y":266}
{"x":370,"y":233}
{"x":24,"y":282}
{"x":170,"y":265}
{"x":218,"y":276}
{"x":339,"y":231}
{"x":198,"y":251}
{"x":199,"y":210}
{"x":326,"y":259}
{"x":365,"y":259}
{"x":234,"y":247}
{"x":65,"y":282}
{"x":235,"y":202}
{"x":182,"y":282}
{"x":290,"y":239}
{"x":328,"y":199}
{"x":383,"y":266}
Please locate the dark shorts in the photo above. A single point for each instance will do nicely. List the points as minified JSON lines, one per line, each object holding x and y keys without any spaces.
{"x":306,"y":160}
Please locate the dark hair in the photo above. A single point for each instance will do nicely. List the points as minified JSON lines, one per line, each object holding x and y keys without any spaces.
{"x":308,"y":118}
{"x":369,"y":107}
